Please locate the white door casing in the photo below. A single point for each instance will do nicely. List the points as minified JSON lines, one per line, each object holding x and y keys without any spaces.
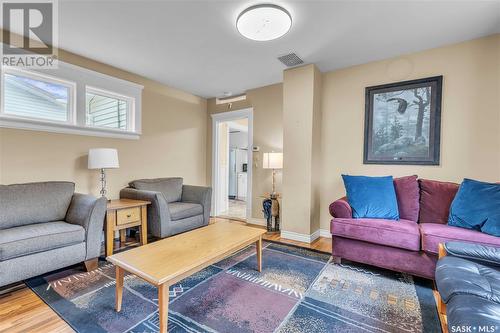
{"x":217,"y":182}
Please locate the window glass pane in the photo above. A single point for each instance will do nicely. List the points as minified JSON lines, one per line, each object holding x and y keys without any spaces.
{"x":105,"y":111}
{"x":35,"y":98}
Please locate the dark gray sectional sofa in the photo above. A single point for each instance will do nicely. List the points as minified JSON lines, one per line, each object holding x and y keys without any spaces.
{"x":174,"y":207}
{"x":46,"y":226}
{"x":468,"y":281}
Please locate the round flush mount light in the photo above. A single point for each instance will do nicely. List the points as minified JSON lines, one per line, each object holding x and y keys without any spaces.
{"x":264,"y":22}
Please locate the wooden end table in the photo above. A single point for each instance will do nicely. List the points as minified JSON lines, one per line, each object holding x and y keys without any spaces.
{"x":122,"y":214}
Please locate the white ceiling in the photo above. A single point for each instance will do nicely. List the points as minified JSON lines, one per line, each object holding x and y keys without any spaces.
{"x":194,"y":45}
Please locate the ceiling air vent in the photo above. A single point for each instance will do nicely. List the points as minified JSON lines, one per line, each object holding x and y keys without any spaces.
{"x":290,"y":60}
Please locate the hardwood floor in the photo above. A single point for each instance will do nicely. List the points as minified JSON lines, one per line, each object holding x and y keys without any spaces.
{"x":21,"y":310}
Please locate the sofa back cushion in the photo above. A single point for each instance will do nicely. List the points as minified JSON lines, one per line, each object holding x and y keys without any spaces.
{"x":408,"y":195}
{"x":435,"y":200}
{"x":170,"y":187}
{"x":22,"y":204}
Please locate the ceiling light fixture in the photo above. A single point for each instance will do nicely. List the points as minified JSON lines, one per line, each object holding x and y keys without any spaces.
{"x":264,"y":22}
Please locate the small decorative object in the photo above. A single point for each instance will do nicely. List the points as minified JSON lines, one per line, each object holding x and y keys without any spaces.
{"x":402,"y":122}
{"x":271,"y":209}
{"x":103,"y":158}
{"x":271,"y":206}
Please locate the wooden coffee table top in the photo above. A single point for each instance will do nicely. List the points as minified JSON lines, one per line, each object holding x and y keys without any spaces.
{"x":171,"y":259}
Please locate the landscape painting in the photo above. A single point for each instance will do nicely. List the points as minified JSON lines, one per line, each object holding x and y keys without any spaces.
{"x":402,"y":122}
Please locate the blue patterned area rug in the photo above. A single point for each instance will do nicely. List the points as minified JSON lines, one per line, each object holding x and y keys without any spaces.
{"x":299,"y":290}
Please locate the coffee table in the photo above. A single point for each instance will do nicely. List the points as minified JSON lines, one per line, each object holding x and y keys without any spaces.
{"x":170,"y":260}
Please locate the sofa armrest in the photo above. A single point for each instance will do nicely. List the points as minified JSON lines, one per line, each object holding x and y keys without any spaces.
{"x":88,"y":211}
{"x":157,"y":211}
{"x":340,"y":208}
{"x":487,"y":255}
{"x":201,"y":195}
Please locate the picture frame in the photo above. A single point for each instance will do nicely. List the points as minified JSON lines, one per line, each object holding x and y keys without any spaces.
{"x":403,"y":122}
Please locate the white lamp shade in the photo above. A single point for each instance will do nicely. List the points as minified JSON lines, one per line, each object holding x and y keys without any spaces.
{"x":273,"y":161}
{"x":103,"y":158}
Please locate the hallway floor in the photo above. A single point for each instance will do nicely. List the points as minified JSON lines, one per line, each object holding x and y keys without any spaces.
{"x":236,"y":209}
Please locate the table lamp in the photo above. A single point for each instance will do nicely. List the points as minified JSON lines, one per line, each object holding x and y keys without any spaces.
{"x":103,"y":158}
{"x":273,"y":161}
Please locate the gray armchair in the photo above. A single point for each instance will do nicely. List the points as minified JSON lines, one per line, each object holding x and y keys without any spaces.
{"x":174,"y":208}
{"x":46,"y":226}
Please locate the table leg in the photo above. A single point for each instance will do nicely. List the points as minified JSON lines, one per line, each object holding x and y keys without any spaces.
{"x":144,"y":225}
{"x":123,"y":236}
{"x":163,"y":298}
{"x":110,"y":233}
{"x":258,"y":245}
{"x":119,"y":288}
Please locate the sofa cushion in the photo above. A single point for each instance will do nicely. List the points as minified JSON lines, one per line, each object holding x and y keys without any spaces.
{"x":408,"y":195}
{"x":170,"y":187}
{"x":484,"y":254}
{"x":402,"y":234}
{"x":457,"y":276}
{"x":466,"y":312}
{"x":477,"y":206}
{"x":23,"y":204}
{"x":435,"y":200}
{"x":33,"y":238}
{"x":435,"y":233}
{"x":182,"y":210}
{"x":371,"y":197}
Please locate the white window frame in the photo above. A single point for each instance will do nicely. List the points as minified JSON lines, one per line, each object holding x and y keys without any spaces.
{"x":130,"y":107}
{"x":71,"y":111}
{"x":81,"y":79}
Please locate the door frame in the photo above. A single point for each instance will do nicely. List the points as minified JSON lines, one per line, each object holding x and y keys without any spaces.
{"x":220,"y":118}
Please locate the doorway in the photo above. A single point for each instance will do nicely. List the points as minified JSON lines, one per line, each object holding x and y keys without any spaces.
{"x":232,"y":141}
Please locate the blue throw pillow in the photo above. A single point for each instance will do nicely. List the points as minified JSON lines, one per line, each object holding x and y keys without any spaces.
{"x":477,"y":206}
{"x":371,"y":197}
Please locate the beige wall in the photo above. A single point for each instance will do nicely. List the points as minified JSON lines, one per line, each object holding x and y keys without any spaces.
{"x":470,"y":120}
{"x":174,"y":125}
{"x":176,"y":138}
{"x":267,"y":103}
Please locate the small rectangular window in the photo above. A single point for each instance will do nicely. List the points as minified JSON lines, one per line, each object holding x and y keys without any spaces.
{"x":70,"y":99}
{"x":28,"y":95}
{"x":107,"y":110}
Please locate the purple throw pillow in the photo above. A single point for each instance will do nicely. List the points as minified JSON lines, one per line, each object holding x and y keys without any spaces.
{"x":408,"y":194}
{"x":435,"y":200}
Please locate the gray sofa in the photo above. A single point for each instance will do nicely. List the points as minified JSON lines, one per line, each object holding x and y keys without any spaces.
{"x":46,"y":226}
{"x":174,"y":208}
{"x":468,"y":281}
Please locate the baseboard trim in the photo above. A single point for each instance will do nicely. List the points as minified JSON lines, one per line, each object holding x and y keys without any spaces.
{"x":257,"y":221}
{"x":315,"y":235}
{"x":325,"y":233}
{"x":296,"y":236}
{"x":305,"y":238}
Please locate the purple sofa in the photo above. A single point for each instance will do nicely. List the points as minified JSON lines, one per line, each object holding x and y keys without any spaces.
{"x":409,"y":245}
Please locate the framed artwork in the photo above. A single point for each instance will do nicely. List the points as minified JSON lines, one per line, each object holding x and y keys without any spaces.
{"x":402,"y":122}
